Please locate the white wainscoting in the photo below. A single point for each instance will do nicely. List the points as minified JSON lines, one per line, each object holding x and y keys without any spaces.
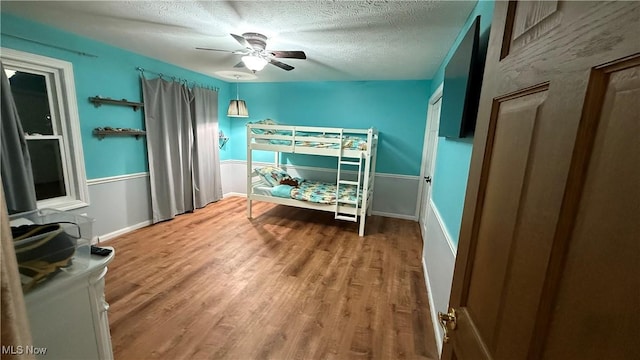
{"x":109,"y":179}
{"x":118,"y":204}
{"x":438,"y":261}
{"x":394,"y":195}
{"x":122,"y":203}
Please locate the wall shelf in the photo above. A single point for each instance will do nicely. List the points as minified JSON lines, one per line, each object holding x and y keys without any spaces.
{"x":102,"y":133}
{"x":97,"y":101}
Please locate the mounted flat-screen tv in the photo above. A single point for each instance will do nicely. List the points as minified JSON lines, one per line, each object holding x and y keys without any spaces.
{"x":462,"y":83}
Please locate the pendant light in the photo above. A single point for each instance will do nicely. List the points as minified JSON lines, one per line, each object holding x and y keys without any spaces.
{"x":237,"y":107}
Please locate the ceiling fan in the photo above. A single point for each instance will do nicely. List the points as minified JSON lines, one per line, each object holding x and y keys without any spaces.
{"x":255,"y":56}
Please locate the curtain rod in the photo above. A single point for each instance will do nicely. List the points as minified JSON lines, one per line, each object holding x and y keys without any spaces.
{"x":81,"y":53}
{"x":175,"y":78}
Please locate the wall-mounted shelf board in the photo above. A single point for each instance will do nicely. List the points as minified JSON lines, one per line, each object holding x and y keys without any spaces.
{"x":97,"y":101}
{"x":102,"y":133}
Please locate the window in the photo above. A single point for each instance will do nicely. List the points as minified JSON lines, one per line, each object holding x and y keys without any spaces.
{"x":44,"y":92}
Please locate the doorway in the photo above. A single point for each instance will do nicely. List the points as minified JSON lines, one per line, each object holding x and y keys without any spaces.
{"x":438,"y":257}
{"x":429,"y":157}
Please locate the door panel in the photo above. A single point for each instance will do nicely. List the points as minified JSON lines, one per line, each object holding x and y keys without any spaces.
{"x":531,"y":20}
{"x":552,"y":203}
{"x":603,"y":259}
{"x":509,"y":172}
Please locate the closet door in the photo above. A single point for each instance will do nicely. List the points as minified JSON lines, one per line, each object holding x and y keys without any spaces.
{"x":429,"y":159}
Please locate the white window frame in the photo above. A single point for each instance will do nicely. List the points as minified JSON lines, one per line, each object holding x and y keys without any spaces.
{"x":62,"y":97}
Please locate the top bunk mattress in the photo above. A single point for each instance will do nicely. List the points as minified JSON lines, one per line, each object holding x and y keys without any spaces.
{"x":319,"y":139}
{"x":348,"y":142}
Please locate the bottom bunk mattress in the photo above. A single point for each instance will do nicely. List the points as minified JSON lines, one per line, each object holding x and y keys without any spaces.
{"x":313,"y":191}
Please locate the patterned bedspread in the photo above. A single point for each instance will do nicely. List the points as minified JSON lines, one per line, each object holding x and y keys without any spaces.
{"x":322,"y":193}
{"x":349,"y":142}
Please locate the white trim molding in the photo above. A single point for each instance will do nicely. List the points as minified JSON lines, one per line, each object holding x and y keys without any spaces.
{"x":109,"y":179}
{"x":437,"y":95}
{"x":393,"y":215}
{"x":317,"y":169}
{"x":435,"y":321}
{"x":438,"y":261}
{"x":114,"y":234}
{"x":445,"y":232}
{"x":394,"y":194}
{"x":63,"y":93}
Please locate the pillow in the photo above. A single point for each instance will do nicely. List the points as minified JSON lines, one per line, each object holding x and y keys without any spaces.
{"x":262,"y":131}
{"x":271,"y":174}
{"x":266,"y":122}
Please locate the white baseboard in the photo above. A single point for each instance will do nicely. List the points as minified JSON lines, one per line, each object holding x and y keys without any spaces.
{"x":397,"y":216}
{"x":111,"y":235}
{"x":232,"y":194}
{"x":432,"y":309}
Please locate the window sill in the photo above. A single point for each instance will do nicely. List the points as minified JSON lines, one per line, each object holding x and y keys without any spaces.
{"x":62,"y":204}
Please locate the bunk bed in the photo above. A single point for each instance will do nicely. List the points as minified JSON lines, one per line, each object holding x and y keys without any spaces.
{"x":349,"y":197}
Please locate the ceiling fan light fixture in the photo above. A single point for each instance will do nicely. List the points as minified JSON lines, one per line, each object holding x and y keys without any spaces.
{"x":254,"y":63}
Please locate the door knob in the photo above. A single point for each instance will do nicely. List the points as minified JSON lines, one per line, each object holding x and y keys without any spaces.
{"x":448,"y":322}
{"x":427,"y":179}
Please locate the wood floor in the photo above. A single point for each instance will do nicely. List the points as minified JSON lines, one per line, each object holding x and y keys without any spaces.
{"x":289,"y":284}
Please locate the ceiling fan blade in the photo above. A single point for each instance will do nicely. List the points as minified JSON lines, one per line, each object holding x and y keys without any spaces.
{"x":281,"y":65}
{"x":209,"y":49}
{"x":235,"y":52}
{"x":239,"y":65}
{"x":288,"y":54}
{"x":242,"y":41}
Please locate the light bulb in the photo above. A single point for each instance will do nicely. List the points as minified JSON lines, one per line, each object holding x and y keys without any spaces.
{"x":254,"y":63}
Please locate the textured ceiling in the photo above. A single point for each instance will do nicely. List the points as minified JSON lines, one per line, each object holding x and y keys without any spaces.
{"x":343,"y":40}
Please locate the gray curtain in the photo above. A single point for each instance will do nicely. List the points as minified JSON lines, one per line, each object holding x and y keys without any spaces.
{"x":207,"y":185}
{"x":167,"y":116}
{"x":17,"y":176}
{"x":182,"y":145}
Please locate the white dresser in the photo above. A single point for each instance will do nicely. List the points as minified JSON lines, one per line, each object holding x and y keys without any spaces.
{"x":68,"y":314}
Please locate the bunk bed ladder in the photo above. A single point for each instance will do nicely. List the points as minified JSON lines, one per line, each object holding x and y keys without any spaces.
{"x":340,"y":181}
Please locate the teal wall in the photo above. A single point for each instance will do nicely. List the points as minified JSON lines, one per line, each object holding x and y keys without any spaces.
{"x":454,"y":155}
{"x":396,"y":108}
{"x":111,"y":74}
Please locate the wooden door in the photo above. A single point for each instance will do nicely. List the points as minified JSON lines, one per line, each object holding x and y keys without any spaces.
{"x":548,"y":262}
